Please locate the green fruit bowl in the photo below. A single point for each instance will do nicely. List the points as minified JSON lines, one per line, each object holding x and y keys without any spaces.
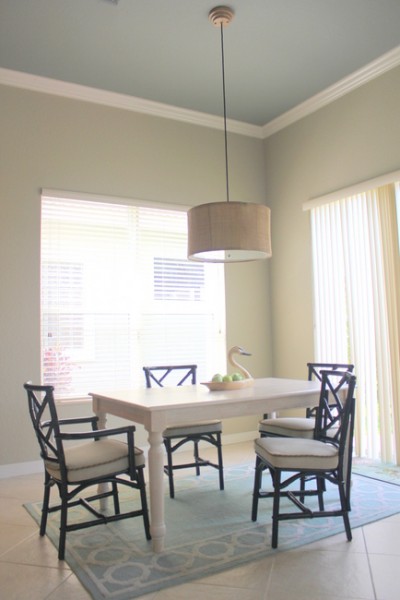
{"x":216,"y":386}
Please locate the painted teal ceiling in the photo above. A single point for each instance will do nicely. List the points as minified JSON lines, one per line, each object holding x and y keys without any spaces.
{"x":278,"y":53}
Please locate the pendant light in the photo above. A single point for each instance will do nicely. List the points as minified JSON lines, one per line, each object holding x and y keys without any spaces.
{"x":228,"y":231}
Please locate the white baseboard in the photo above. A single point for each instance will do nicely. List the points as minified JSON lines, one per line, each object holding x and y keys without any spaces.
{"x":237,"y":438}
{"x":28,"y":468}
{"x":25,"y":468}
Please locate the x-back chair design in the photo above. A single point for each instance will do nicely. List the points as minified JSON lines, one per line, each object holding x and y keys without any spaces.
{"x":300,"y":426}
{"x":325,"y":458}
{"x":175,"y":436}
{"x":97,"y":457}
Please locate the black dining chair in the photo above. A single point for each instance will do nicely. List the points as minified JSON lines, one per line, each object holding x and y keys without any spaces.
{"x":300,"y":426}
{"x":77,"y":460}
{"x":175,"y":436}
{"x":326,"y":459}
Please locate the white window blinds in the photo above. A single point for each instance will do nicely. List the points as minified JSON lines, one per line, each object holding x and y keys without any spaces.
{"x":357,"y":308}
{"x":118,"y":293}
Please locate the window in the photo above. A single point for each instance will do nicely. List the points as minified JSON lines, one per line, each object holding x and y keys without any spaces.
{"x":117,"y":293}
{"x":176,"y":279}
{"x":356,"y":306}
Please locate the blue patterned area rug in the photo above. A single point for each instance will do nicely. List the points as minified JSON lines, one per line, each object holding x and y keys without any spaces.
{"x":377,"y":470}
{"x":208,"y":531}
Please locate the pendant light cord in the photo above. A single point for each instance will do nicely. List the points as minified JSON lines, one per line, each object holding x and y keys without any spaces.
{"x":224,"y":100}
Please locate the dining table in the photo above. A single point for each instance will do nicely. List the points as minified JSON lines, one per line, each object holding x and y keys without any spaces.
{"x":158,"y":408}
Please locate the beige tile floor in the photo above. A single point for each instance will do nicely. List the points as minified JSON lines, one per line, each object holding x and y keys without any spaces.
{"x":368,"y":568}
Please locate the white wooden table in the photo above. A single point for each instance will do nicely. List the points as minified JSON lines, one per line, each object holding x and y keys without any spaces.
{"x":157,"y":408}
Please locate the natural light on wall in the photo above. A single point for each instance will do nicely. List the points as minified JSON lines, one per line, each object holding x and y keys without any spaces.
{"x":356,"y":271}
{"x":118,"y":292}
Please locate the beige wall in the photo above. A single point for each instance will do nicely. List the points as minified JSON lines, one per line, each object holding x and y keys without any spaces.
{"x":64,"y":144}
{"x":351,"y":140}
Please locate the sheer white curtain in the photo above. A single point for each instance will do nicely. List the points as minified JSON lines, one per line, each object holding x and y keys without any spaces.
{"x":356,"y":306}
{"x":391,"y":368}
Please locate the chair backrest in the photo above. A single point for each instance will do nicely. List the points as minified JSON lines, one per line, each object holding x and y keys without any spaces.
{"x":43,"y":413}
{"x":314,"y":372}
{"x":170,"y":375}
{"x":335,"y":410}
{"x":334,"y":423}
{"x":314,"y":369}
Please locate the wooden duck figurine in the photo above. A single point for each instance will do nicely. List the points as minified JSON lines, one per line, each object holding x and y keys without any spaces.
{"x":239,"y":368}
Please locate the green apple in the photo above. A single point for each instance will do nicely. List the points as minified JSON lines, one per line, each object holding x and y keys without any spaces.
{"x":237,"y":377}
{"x":227,"y":378}
{"x":217,"y":378}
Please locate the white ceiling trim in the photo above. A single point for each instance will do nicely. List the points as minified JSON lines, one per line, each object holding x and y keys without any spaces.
{"x":384,"y":63}
{"x":75,"y":91}
{"x":122,"y":101}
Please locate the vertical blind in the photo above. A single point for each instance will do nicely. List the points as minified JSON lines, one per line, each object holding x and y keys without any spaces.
{"x":118,"y":293}
{"x":356,"y":308}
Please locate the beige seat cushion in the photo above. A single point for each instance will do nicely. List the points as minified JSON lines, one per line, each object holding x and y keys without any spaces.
{"x":193,"y":428}
{"x":95,"y":459}
{"x":288,"y":426}
{"x":296,"y":453}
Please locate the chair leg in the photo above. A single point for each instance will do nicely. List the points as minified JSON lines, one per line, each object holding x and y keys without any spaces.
{"x":344,"y":504}
{"x":321,"y":489}
{"x":143,"y":499}
{"x":115,"y":498}
{"x":213,"y":438}
{"x":220,"y":462}
{"x":170,"y":471}
{"x":256,"y":488}
{"x":302,"y":488}
{"x":275,"y":509}
{"x":347,"y":527}
{"x":347,"y":488}
{"x":63,"y":526}
{"x":45,"y":506}
{"x":196,"y":456}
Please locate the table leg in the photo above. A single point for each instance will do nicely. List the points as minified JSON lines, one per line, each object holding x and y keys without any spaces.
{"x":156,"y":483}
{"x":102,"y":422}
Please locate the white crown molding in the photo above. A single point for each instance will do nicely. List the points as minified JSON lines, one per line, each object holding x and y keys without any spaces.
{"x":384,"y":63}
{"x":122,"y":101}
{"x":75,"y":91}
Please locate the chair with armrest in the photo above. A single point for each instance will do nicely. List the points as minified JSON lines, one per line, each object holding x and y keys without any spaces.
{"x":300,"y":426}
{"x":97,"y":457}
{"x":325,"y":458}
{"x":176,"y":436}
